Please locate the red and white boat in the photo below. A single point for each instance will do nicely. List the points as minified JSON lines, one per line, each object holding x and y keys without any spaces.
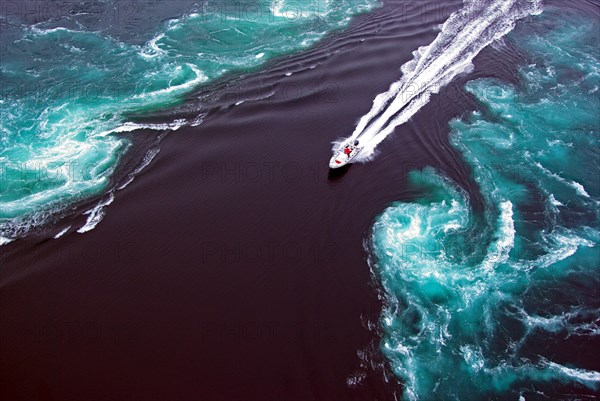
{"x":344,"y":155}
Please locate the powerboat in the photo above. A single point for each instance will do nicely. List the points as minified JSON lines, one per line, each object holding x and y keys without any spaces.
{"x":344,"y":155}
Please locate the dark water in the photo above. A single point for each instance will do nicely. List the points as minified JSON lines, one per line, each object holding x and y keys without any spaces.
{"x":234,"y":266}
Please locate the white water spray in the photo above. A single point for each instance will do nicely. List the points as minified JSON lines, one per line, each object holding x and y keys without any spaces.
{"x":463,"y":36}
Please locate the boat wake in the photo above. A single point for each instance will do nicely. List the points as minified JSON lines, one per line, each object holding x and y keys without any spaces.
{"x":463,"y":36}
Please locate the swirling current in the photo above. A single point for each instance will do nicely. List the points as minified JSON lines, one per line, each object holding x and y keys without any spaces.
{"x":500,"y":301}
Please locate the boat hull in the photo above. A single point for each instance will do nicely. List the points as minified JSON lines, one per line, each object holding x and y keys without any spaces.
{"x":341,"y":159}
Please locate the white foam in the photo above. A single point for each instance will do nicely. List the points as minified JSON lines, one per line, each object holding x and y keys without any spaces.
{"x":61,"y":233}
{"x":197,"y":121}
{"x":500,"y":249}
{"x":4,"y":240}
{"x":200,"y":77}
{"x":473,"y":357}
{"x":413,"y":230}
{"x":573,"y":184}
{"x":129,"y":127}
{"x":154,"y":50}
{"x":96,"y":214}
{"x":463,"y":36}
{"x":41,"y":31}
{"x":554,"y":202}
{"x":580,"y":375}
{"x":148,"y":157}
{"x":573,"y":322}
{"x":580,"y":189}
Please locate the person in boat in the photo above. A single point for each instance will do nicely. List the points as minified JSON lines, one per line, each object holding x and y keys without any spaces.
{"x":347,"y":151}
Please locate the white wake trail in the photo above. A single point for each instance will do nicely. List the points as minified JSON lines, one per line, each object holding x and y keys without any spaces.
{"x":466,"y":32}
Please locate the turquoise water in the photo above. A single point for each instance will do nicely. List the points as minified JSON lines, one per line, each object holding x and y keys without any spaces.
{"x":67,"y":93}
{"x":500,"y":302}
